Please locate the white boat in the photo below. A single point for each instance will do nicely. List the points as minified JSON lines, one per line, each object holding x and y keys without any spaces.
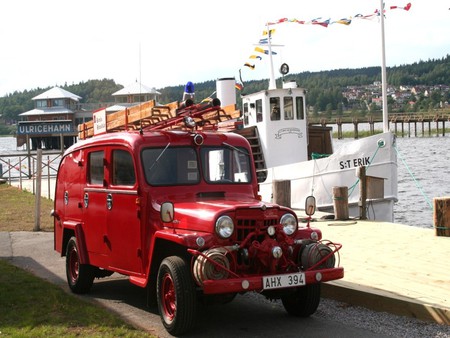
{"x":275,"y":122}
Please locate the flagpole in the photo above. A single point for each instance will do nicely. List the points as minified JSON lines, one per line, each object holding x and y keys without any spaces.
{"x":383,"y":73}
{"x":272,"y":83}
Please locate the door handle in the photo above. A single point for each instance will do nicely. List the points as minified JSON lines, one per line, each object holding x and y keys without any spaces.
{"x":109,"y":201}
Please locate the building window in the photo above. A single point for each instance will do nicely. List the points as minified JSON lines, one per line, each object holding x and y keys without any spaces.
{"x":58,"y":103}
{"x":41,"y":104}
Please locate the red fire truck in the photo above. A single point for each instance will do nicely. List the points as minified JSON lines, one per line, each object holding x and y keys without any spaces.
{"x":177,"y":210}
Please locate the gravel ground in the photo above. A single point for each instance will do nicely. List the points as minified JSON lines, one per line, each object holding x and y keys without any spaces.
{"x":383,"y":323}
{"x":380,"y":322}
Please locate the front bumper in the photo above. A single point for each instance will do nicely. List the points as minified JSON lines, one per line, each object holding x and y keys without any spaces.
{"x":255,"y":283}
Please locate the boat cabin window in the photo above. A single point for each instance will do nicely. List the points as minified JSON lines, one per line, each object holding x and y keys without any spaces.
{"x":259,"y":111}
{"x":96,"y":172}
{"x":275,"y":109}
{"x":122,"y":168}
{"x":246,"y":113}
{"x":288,"y":108}
{"x":300,"y":108}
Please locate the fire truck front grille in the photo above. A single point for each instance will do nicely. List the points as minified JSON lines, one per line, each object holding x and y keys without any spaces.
{"x":247,"y":226}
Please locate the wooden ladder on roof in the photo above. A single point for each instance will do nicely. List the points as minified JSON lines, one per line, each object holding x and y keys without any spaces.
{"x":149,"y":116}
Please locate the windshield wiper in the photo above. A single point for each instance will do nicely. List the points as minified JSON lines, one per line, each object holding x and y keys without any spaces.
{"x":159,"y":156}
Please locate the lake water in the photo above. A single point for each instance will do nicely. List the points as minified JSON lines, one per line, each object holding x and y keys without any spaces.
{"x":423,"y":173}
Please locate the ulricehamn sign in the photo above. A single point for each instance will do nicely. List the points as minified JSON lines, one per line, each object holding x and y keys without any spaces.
{"x":45,"y":128}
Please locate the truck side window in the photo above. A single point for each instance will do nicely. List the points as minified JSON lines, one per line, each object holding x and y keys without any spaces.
{"x":122,"y":168}
{"x":96,"y":173}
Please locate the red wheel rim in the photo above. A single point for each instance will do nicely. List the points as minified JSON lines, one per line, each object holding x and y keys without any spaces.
{"x":74,"y":265}
{"x":168,"y":297}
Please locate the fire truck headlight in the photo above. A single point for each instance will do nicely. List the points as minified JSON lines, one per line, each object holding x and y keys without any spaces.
{"x":224,"y":227}
{"x":289,"y":223}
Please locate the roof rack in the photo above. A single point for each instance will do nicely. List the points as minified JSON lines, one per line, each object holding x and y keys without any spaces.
{"x":149,"y":116}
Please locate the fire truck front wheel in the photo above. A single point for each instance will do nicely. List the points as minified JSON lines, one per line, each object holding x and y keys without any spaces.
{"x":177,"y":299}
{"x":303,"y":302}
{"x":79,"y":276}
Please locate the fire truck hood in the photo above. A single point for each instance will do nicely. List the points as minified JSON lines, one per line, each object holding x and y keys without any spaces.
{"x":202,"y":215}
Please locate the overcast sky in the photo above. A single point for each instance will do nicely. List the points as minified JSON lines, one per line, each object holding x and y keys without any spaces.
{"x":164,"y":43}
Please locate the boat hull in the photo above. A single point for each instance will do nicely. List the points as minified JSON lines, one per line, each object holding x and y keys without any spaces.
{"x":317,"y":177}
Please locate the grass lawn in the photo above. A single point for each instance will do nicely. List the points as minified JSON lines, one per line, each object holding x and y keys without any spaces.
{"x":18,"y":210}
{"x":32,"y":307}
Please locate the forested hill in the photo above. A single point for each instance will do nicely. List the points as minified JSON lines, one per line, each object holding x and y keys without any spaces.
{"x":323,"y":83}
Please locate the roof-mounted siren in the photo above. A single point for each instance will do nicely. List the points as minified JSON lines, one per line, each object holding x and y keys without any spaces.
{"x":189,"y":94}
{"x":226,"y":91}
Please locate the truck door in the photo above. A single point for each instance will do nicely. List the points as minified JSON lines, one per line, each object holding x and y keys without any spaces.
{"x":122,"y":217}
{"x":94,"y":204}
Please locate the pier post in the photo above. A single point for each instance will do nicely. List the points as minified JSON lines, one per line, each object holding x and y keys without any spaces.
{"x":362,"y":192}
{"x":441,"y":216}
{"x":282,"y":193}
{"x":340,"y":203}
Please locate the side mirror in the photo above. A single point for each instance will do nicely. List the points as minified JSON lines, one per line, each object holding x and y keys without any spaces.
{"x":310,"y":205}
{"x":167,"y":212}
{"x":53,"y":213}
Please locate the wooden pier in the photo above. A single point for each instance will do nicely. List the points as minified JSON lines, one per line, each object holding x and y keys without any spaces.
{"x":404,"y":124}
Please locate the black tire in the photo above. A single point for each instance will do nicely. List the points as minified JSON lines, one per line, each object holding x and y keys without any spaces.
{"x":176,"y":296}
{"x":79,"y":276}
{"x":303,"y":302}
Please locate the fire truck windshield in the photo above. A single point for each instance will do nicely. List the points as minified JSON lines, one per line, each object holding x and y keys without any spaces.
{"x":180,"y":165}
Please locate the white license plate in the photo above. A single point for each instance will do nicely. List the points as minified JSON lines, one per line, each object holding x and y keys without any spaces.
{"x":283,"y":281}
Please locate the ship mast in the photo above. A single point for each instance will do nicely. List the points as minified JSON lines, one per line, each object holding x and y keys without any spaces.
{"x":383,"y":72}
{"x":272,"y":82}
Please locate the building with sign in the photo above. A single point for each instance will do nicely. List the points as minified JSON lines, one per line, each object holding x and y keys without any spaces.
{"x":51,"y":124}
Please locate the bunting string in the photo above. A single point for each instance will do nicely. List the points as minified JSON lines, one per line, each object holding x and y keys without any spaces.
{"x":267,"y":34}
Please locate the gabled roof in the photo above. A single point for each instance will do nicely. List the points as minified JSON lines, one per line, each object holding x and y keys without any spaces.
{"x":136,"y":89}
{"x":57,"y":93}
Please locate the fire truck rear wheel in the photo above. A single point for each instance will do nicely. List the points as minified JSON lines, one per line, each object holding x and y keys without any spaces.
{"x":303,"y":302}
{"x":176,"y":295}
{"x":79,"y":276}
